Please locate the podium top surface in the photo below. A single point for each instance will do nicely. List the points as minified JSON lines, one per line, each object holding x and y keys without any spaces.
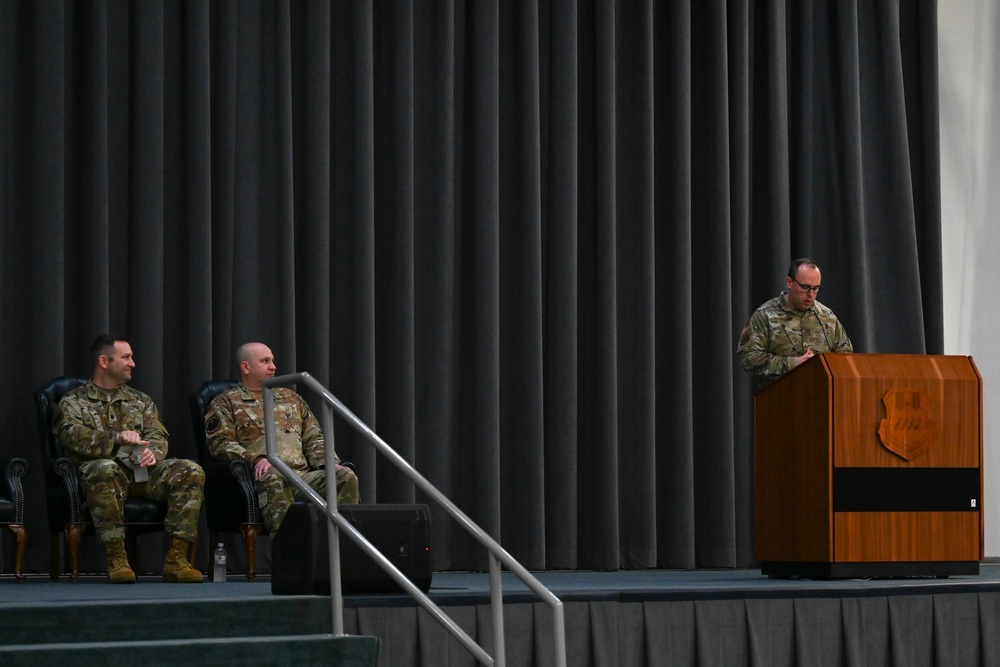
{"x":899,"y":366}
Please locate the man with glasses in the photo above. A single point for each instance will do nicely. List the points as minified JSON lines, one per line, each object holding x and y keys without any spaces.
{"x":792,"y":327}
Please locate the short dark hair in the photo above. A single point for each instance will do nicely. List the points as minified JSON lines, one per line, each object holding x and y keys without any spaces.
{"x":103,"y":345}
{"x":793,"y":268}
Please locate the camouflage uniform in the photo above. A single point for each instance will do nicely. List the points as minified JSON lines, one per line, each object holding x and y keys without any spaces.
{"x":87,"y":423}
{"x":777,"y":334}
{"x":234,"y":425}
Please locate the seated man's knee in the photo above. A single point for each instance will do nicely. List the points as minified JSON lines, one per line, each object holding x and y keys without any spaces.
{"x":194,"y":472}
{"x":347,"y":487}
{"x":274,"y":485}
{"x":272,"y":478}
{"x":102,"y":470}
{"x":181,"y":472}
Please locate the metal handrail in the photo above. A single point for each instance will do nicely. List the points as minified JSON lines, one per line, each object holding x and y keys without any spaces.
{"x":498,"y":555}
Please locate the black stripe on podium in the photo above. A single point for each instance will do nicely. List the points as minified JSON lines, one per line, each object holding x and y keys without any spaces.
{"x":906,"y":490}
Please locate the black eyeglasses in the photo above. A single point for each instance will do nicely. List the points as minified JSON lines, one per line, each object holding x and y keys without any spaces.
{"x":807,"y":288}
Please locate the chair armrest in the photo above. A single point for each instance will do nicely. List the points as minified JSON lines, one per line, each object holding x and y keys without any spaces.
{"x":64,"y":469}
{"x":11,"y":472}
{"x":230,"y":494}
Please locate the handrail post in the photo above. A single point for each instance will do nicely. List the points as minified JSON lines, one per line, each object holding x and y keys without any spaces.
{"x":333,"y":534}
{"x":496,"y":604}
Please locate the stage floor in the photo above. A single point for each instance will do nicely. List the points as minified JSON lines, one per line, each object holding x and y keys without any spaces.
{"x":630,"y":618}
{"x":465,"y":588}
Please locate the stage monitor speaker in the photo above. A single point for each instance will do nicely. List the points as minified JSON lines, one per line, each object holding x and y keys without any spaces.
{"x":300,"y":553}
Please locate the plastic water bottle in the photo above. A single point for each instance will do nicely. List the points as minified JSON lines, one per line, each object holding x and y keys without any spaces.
{"x":219,"y":573}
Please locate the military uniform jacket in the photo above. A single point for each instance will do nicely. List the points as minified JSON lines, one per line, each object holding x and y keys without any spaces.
{"x":89,"y":419}
{"x":777,"y":334}
{"x":234,"y":426}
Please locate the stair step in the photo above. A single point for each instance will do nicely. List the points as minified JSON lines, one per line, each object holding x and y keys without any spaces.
{"x":181,"y":619}
{"x":342,"y":651}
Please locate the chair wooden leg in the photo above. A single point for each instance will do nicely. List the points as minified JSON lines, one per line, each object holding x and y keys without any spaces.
{"x":250,"y":533}
{"x":22,"y":542}
{"x":54,"y":567}
{"x":74,"y":531}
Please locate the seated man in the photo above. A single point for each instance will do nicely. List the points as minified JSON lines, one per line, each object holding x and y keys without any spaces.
{"x":234,"y":427}
{"x":115,"y":435}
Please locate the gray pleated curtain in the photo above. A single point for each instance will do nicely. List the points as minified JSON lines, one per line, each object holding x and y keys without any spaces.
{"x":519,"y":239}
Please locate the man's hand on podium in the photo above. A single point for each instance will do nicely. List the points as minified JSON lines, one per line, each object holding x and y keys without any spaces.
{"x":806,"y":357}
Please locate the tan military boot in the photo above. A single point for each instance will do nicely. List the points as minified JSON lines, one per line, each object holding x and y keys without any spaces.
{"x":176,"y":568}
{"x":119,"y":571}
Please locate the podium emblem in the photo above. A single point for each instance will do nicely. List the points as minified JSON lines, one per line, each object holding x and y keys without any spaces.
{"x":907,"y":428}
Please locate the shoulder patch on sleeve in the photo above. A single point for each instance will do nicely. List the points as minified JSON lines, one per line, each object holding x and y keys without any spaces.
{"x":213,"y":424}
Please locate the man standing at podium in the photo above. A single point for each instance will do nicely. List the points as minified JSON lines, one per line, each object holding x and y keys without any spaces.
{"x":792,"y":327}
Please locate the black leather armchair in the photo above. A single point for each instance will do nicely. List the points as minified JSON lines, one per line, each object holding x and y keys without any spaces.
{"x":230,"y":495}
{"x":67,"y":506}
{"x":12,"y":506}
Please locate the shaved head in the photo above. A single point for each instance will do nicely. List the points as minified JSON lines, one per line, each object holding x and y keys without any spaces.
{"x":256,"y":362}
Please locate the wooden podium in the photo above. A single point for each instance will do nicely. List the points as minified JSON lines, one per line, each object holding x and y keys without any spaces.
{"x":870,"y":465}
